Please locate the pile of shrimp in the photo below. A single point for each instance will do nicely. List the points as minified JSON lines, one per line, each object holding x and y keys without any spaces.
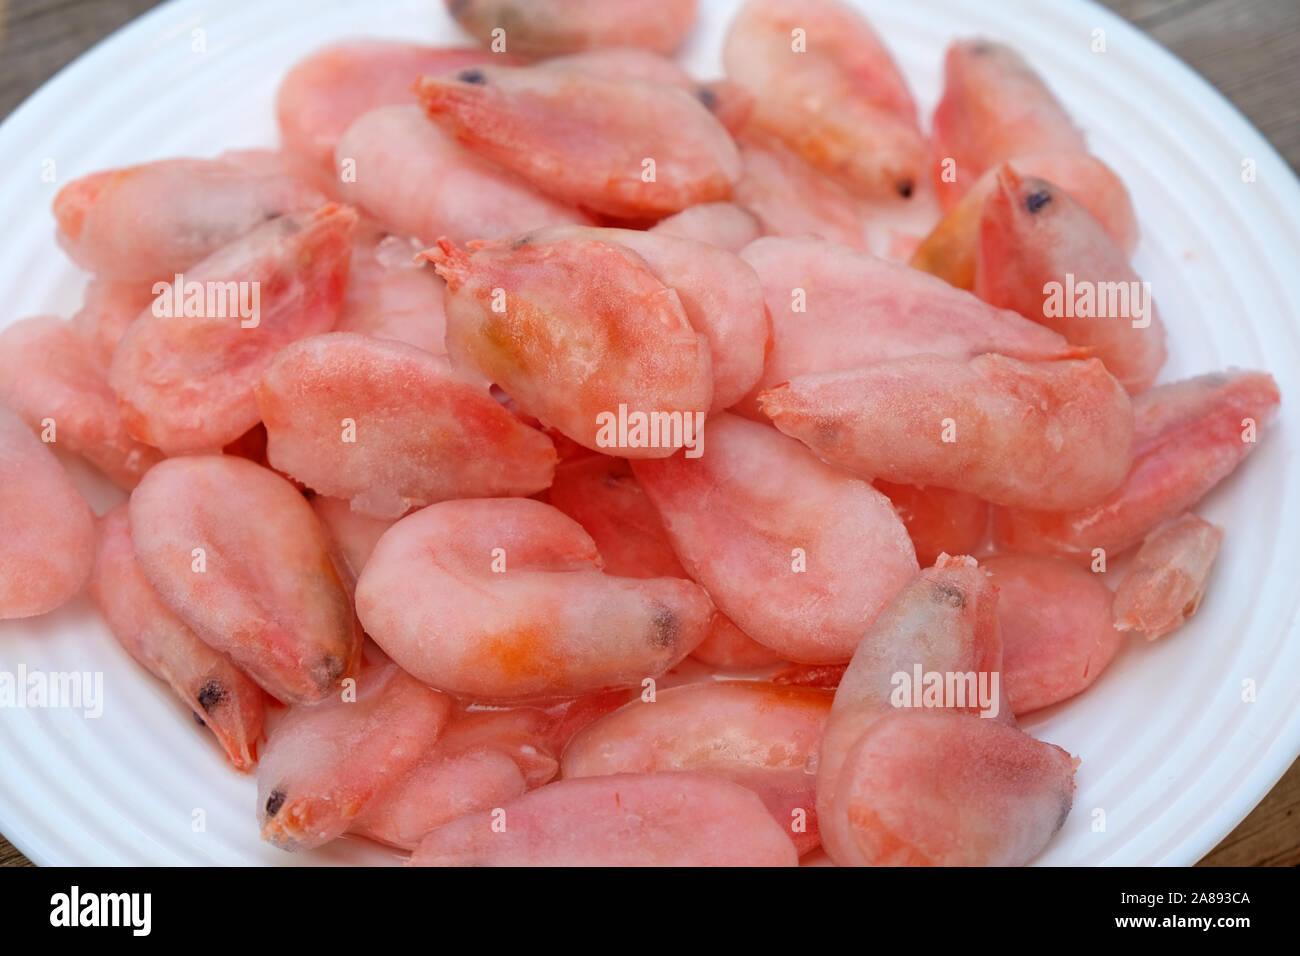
{"x":590,"y":478}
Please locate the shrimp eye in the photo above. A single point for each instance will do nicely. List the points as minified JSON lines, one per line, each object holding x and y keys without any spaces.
{"x":211,"y":694}
{"x":1037,"y":200}
{"x":665,"y":627}
{"x":472,"y":76}
{"x":274,"y":802}
{"x":905,"y":187}
{"x":707,"y":97}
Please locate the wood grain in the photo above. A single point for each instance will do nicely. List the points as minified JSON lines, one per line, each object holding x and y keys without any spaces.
{"x":1249,"y":49}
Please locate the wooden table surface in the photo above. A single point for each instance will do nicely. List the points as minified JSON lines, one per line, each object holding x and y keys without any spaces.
{"x":1249,"y":49}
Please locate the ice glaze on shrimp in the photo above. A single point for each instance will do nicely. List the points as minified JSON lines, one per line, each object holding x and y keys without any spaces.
{"x":1164,"y":585}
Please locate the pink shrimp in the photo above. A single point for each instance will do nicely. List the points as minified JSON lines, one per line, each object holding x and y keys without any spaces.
{"x":722,"y":224}
{"x":50,"y":375}
{"x":391,"y":427}
{"x":547,"y":27}
{"x":938,"y":520}
{"x":325,"y":92}
{"x":237,"y":554}
{"x":1189,"y":436}
{"x":221,"y":697}
{"x":573,"y":330}
{"x":828,"y":87}
{"x":765,"y":527}
{"x":107,"y":310}
{"x":597,"y":143}
{"x":762,"y":736}
{"x":152,"y":221}
{"x":719,"y":292}
{"x":47,"y":527}
{"x":1025,"y":434}
{"x":389,"y":295}
{"x":503,"y":599}
{"x":415,"y":180}
{"x":1166,"y":581}
{"x":654,"y":819}
{"x":949,"y":250}
{"x":603,"y":496}
{"x":994,"y":108}
{"x":835,"y":308}
{"x":1034,"y":237}
{"x":1057,"y":636}
{"x":186,"y":381}
{"x":355,"y":535}
{"x":896,"y":785}
{"x":325,"y":764}
{"x":790,"y":198}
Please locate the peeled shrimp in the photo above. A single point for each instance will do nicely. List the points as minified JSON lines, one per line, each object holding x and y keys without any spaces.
{"x":547,"y":27}
{"x":391,"y":296}
{"x":719,"y":292}
{"x":829,"y":89}
{"x":236,"y":552}
{"x":762,"y":736}
{"x":834,"y":308}
{"x":391,"y":427}
{"x":415,"y":180}
{"x":46,"y":525}
{"x":149,"y":222}
{"x":949,"y":250}
{"x":1026,"y":434}
{"x":222,"y":698}
{"x":654,"y":819}
{"x":1033,"y":235}
{"x":720,"y":224}
{"x":1057,"y":636}
{"x":1166,"y":581}
{"x":324,"y":764}
{"x":186,"y":381}
{"x":790,"y":198}
{"x":50,"y":375}
{"x":325,"y":92}
{"x":574,"y":330}
{"x":798,"y":554}
{"x":596,"y":143}
{"x":503,"y":599}
{"x":994,"y":108}
{"x":938,"y":520}
{"x":1188,"y":437}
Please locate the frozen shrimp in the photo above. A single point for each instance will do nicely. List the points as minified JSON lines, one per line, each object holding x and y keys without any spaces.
{"x":152,"y":221}
{"x":722,"y":224}
{"x":790,"y":198}
{"x":763,"y":736}
{"x":547,"y":27}
{"x":503,"y":599}
{"x":938,"y":520}
{"x":827,"y":86}
{"x":603,"y":496}
{"x":1164,"y":585}
{"x":415,"y":180}
{"x":596,"y":143}
{"x":574,"y":330}
{"x":186,"y":381}
{"x":1026,"y":434}
{"x":50,"y":375}
{"x":391,"y":427}
{"x":950,"y":248}
{"x":719,"y":292}
{"x":654,"y":819}
{"x":221,"y":697}
{"x":1057,"y":635}
{"x":107,"y":310}
{"x":994,"y":108}
{"x":325,"y":92}
{"x":834,"y":308}
{"x":325,"y":763}
{"x":47,"y":527}
{"x":391,"y":296}
{"x":1188,"y":437}
{"x":1033,"y":235}
{"x":798,"y":554}
{"x":237,"y":554}
{"x":354,"y":534}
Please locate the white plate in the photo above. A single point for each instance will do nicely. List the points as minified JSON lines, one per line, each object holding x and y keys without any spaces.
{"x":1172,"y":756}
